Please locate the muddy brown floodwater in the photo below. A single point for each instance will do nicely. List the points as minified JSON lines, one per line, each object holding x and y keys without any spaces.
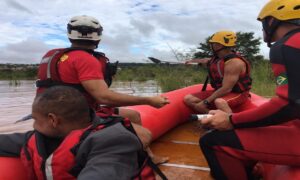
{"x":16,"y":100}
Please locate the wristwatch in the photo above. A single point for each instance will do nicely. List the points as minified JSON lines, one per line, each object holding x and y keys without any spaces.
{"x":206,"y":103}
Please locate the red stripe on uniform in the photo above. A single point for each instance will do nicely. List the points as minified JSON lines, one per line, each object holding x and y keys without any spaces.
{"x":293,"y":41}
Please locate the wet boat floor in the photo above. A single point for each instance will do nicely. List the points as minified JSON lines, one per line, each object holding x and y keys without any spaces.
{"x":181,"y":145}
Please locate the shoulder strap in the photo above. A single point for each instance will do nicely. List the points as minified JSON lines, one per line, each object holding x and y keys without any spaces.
{"x":205,"y":83}
{"x":144,"y":160}
{"x":236,"y":55}
{"x":53,"y":77}
{"x":157,"y":170}
{"x":98,"y":123}
{"x":230,"y":56}
{"x":204,"y":87}
{"x":52,"y":70}
{"x":25,"y":148}
{"x":98,"y":54}
{"x":110,"y":68}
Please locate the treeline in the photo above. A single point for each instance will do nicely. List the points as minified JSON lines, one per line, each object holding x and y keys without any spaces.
{"x":174,"y":76}
{"x":168,"y":76}
{"x":22,"y":74}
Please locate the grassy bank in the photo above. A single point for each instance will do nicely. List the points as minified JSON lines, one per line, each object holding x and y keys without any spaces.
{"x":9,"y":74}
{"x":263,"y":79}
{"x":171,"y":77}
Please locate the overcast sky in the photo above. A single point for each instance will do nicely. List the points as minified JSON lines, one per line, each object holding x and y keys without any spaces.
{"x":133,"y":29}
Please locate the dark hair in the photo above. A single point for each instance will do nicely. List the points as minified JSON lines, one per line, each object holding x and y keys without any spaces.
{"x":62,"y":101}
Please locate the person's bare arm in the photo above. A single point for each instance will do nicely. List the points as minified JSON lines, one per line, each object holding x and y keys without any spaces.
{"x":198,"y":60}
{"x":232,"y":70}
{"x":99,"y":90}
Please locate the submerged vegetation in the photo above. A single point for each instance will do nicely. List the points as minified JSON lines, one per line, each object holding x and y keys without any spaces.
{"x":171,"y":77}
{"x":16,"y":72}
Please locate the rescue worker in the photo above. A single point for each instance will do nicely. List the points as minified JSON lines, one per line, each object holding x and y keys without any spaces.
{"x":270,"y":132}
{"x":89,"y":71}
{"x":229,"y":75}
{"x":68,"y":143}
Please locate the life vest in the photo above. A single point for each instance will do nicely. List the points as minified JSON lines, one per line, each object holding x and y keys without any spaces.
{"x":216,"y":73}
{"x":61,"y":163}
{"x":48,"y":74}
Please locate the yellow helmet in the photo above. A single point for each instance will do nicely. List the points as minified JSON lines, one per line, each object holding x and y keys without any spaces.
{"x":226,"y":38}
{"x":282,"y":10}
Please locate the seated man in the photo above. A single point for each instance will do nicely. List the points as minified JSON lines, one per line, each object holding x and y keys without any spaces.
{"x":229,"y":75}
{"x":82,"y":67}
{"x":68,"y":143}
{"x":270,"y":132}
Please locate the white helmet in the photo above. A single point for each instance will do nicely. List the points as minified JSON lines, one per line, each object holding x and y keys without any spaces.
{"x":84,"y":28}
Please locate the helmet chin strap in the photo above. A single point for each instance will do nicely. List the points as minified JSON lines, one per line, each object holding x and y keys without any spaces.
{"x":270,"y":29}
{"x":96,"y":43}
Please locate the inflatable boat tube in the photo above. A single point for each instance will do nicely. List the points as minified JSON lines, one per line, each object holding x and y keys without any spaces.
{"x":160,"y":121}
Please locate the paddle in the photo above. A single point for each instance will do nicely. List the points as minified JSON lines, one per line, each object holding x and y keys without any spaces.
{"x":25,"y":118}
{"x":157,"y":61}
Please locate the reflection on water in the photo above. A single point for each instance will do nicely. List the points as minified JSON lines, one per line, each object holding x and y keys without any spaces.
{"x":148,"y":88}
{"x":15,"y":101}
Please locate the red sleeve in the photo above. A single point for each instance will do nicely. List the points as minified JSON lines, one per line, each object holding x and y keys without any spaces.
{"x":88,"y":67}
{"x":269,"y":113}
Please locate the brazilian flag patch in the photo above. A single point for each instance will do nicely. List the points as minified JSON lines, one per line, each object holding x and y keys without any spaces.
{"x":282,"y":79}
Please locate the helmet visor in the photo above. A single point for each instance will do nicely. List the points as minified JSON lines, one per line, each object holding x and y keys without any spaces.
{"x":85,"y":29}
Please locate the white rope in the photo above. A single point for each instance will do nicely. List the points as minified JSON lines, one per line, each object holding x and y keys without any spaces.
{"x":186,"y":166}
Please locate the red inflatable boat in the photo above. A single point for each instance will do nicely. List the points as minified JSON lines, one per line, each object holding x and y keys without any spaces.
{"x":175,"y":138}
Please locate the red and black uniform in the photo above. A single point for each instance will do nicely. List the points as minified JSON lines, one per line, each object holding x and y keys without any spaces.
{"x":105,"y":150}
{"x":216,"y":68}
{"x":240,"y":91}
{"x":269,"y":133}
{"x":71,"y":66}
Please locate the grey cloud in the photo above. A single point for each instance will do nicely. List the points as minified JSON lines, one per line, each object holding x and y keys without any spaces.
{"x":127,"y":36}
{"x":28,"y":51}
{"x":120,"y":40}
{"x":144,"y":28}
{"x":18,"y":6}
{"x":210,"y":17}
{"x":192,"y":30}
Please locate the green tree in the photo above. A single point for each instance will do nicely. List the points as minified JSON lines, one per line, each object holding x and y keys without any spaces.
{"x":204,"y":50}
{"x":247,"y":45}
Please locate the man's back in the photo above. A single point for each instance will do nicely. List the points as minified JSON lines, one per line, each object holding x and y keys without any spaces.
{"x":112,"y":154}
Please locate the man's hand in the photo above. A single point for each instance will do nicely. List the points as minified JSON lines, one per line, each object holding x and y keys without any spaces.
{"x":219,"y":120}
{"x":158,"y":101}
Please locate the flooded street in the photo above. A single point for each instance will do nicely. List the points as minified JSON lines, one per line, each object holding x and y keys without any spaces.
{"x":16,"y":100}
